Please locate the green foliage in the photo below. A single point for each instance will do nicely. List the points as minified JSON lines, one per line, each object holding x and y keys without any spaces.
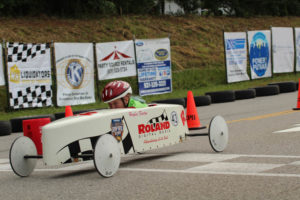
{"x":63,"y":8}
{"x":189,"y":6}
{"x":90,"y":8}
{"x":246,"y":8}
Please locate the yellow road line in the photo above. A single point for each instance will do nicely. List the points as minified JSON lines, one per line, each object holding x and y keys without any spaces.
{"x":264,"y":116}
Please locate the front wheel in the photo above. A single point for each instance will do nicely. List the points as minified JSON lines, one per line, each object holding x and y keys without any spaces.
{"x":107,"y":156}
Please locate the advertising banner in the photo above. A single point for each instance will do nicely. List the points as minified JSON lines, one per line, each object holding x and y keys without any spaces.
{"x":297,"y":40}
{"x":260,"y":53}
{"x":154,"y":66}
{"x":115,"y":60}
{"x":29,"y":75}
{"x":236,"y":56}
{"x":282,"y":49}
{"x":2,"y":81}
{"x":74,"y":73}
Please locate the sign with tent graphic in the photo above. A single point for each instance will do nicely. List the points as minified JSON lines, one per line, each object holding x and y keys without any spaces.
{"x":115,"y":60}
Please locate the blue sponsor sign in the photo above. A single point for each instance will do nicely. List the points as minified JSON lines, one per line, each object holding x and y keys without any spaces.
{"x":154,"y":66}
{"x":154,"y":77}
{"x":259,"y":54}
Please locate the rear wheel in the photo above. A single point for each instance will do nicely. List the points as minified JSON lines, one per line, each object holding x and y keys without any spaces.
{"x":21,"y":147}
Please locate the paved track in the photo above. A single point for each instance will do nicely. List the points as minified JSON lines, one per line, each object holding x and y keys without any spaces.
{"x":262,"y":161}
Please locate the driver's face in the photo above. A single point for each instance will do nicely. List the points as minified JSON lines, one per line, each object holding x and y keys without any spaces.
{"x":118,"y":103}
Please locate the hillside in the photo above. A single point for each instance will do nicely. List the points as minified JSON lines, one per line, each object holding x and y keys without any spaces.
{"x":196,"y":42}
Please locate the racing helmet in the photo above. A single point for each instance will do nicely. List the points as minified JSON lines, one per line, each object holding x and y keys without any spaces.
{"x":115,"y":90}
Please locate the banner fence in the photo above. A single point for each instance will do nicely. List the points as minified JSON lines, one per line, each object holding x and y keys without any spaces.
{"x":260,"y":54}
{"x":74,"y":73}
{"x":236,"y":56}
{"x":282,"y":49}
{"x":2,"y":80}
{"x":29,"y":75}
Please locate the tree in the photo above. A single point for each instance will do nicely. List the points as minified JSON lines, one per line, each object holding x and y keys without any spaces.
{"x":189,"y":6}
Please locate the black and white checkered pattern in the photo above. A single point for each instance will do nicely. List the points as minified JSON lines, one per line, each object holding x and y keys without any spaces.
{"x":161,"y":118}
{"x":30,"y":97}
{"x":22,"y":52}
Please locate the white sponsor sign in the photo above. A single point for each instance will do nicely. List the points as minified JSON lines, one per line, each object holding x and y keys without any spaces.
{"x":2,"y":81}
{"x":74,"y":73}
{"x":282,"y":49}
{"x":154,"y":66}
{"x":297,"y":40}
{"x":260,"y":53}
{"x":29,"y":75}
{"x":236,"y":56}
{"x":115,"y":60}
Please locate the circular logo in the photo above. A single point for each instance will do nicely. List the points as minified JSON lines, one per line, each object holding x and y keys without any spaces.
{"x":259,"y":54}
{"x":75,"y":73}
{"x":174,"y":118}
{"x":161,"y":54}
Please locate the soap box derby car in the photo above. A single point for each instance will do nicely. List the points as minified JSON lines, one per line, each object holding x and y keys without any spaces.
{"x":104,"y":135}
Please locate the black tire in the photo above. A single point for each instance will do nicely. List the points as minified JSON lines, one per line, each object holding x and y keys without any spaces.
{"x":17,"y":123}
{"x":179,"y":101}
{"x":59,"y":115}
{"x":245,"y":94}
{"x":221,"y":96}
{"x":285,"y":87}
{"x":200,"y":100}
{"x":5,"y":128}
{"x":267,"y":90}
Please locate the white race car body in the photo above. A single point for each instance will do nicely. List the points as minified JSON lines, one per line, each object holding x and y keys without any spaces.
{"x":69,"y":139}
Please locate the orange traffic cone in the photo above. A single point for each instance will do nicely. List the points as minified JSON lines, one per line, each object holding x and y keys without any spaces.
{"x":298,"y":99}
{"x":68,"y":111}
{"x":192,"y":114}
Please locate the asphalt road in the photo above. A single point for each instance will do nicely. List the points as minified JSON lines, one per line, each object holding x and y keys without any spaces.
{"x":262,"y":161}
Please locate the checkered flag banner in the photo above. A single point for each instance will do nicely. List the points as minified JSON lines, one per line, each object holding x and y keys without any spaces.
{"x":22,"y":52}
{"x":161,"y":118}
{"x":36,"y":96}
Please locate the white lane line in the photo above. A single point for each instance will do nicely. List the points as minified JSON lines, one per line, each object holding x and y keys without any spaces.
{"x":3,"y":161}
{"x":196,"y":157}
{"x":295,"y":163}
{"x":209,"y":172}
{"x":5,"y":167}
{"x":235,"y":167}
{"x":290,"y":130}
{"x":217,"y":157}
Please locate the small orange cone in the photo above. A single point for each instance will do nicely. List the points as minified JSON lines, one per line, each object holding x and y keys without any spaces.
{"x":68,"y":111}
{"x":192,"y":114}
{"x":298,"y":99}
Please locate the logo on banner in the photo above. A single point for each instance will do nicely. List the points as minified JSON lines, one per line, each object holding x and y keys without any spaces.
{"x":117,"y":128}
{"x":233,"y":44}
{"x":139,"y":43}
{"x":161,"y":54}
{"x":15,"y":74}
{"x":259,"y":54}
{"x":74,"y":73}
{"x":115,"y":55}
